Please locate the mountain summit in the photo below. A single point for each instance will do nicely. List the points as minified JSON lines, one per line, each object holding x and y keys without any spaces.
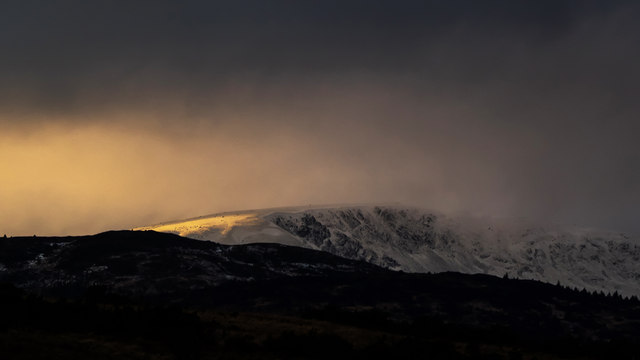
{"x":416,"y":240}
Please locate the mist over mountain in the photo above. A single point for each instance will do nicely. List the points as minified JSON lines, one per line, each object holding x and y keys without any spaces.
{"x":142,"y":113}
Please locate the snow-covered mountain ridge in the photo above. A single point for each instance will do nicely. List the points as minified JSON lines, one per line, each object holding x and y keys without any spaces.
{"x":416,"y":240}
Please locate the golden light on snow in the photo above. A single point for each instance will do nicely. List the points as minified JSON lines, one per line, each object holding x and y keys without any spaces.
{"x":223,"y":223}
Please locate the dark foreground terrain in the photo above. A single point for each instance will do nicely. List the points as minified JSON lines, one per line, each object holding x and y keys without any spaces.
{"x":146,"y":295}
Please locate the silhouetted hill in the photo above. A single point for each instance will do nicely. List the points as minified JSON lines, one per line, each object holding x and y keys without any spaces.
{"x":147,"y":263}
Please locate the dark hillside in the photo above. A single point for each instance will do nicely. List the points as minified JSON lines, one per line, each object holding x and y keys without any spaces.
{"x":152,"y":295}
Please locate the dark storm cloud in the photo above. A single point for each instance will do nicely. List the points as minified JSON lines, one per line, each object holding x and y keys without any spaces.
{"x":500,"y":107}
{"x":61,"y":53}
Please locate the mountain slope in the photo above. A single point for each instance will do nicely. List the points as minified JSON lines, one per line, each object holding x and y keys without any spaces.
{"x":416,"y":240}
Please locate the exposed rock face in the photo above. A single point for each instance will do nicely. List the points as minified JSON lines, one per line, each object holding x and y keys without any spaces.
{"x":418,"y":241}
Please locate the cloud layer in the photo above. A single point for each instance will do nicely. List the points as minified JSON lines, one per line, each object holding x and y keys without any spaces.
{"x":122,"y":114}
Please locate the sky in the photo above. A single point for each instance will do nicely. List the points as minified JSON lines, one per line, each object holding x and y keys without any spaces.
{"x":118,"y":114}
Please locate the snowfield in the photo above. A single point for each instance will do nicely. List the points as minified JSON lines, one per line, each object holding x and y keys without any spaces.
{"x":416,"y":240}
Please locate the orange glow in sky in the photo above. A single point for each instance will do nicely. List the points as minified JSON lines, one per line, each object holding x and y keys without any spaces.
{"x":74,"y":179}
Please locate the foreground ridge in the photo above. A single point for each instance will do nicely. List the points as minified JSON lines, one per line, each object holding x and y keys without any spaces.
{"x":116,"y":286}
